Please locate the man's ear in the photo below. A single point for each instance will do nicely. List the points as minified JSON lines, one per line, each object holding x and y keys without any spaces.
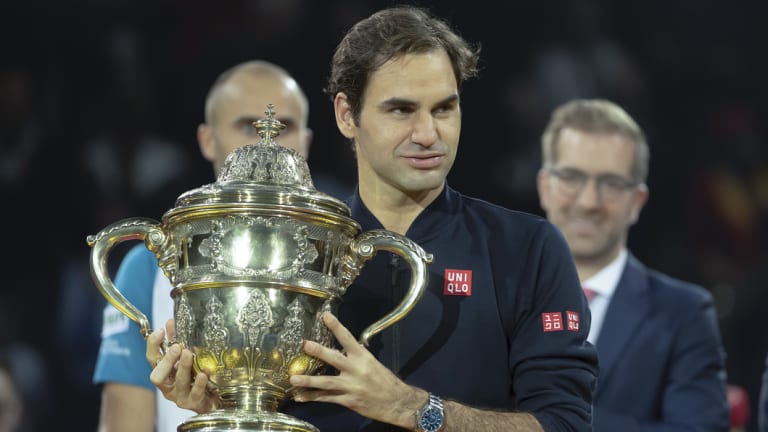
{"x":542,"y":186}
{"x":639,"y":198}
{"x":206,"y":142}
{"x":306,"y":143}
{"x":344,"y":118}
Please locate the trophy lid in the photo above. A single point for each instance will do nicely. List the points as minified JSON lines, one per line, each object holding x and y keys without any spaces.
{"x":263,"y":174}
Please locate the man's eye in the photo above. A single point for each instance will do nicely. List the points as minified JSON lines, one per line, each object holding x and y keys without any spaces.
{"x":615,"y":183}
{"x":249,"y":129}
{"x":401,"y":110}
{"x":571,"y":176}
{"x":290,"y":126}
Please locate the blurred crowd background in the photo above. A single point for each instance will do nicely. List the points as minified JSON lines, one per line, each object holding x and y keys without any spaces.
{"x":100,"y":100}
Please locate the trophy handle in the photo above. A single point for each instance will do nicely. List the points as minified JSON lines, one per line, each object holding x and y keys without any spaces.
{"x":364,"y":247}
{"x":102,"y":243}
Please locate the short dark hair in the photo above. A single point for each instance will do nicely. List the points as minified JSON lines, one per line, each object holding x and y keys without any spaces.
{"x":390,"y":33}
{"x":596,"y":116}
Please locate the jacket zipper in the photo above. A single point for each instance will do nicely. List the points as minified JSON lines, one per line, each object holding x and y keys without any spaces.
{"x":394,"y":296}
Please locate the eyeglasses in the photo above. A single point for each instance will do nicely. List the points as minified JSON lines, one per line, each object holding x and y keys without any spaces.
{"x":610,"y":187}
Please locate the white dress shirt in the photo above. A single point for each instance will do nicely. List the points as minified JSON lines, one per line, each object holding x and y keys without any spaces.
{"x":604,"y":284}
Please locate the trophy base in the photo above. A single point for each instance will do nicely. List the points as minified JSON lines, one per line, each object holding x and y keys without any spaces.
{"x":242,"y":421}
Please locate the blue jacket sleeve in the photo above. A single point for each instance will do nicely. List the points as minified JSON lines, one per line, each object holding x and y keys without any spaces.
{"x":121,"y":356}
{"x":554,"y":367}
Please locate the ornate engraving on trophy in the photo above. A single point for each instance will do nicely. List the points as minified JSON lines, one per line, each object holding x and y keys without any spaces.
{"x":255,"y":319}
{"x":215,"y":336}
{"x":283,"y":246}
{"x":320,"y":332}
{"x":293,"y":331}
{"x":185,"y":321}
{"x":264,"y":165}
{"x":185,"y":234}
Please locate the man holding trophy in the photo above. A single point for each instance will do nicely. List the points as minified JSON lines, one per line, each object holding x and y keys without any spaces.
{"x":498,"y":340}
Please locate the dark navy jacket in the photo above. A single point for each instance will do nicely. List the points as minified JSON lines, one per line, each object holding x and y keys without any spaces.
{"x":517,"y":342}
{"x":662,"y":362}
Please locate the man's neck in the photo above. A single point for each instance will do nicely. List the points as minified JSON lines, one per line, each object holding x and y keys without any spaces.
{"x":586,"y":271}
{"x":590,"y":266}
{"x":394,"y":209}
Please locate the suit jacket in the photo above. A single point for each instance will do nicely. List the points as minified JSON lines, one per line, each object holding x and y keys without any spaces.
{"x":762,"y":407}
{"x":662,"y":363}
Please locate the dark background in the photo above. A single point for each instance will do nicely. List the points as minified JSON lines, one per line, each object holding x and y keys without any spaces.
{"x":99,"y":102}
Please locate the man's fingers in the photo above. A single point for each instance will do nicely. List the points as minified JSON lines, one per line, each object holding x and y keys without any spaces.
{"x":184,"y":371}
{"x":170,"y":329}
{"x":154,"y":342}
{"x":307,"y":395}
{"x":344,"y":336}
{"x":199,"y":391}
{"x":317,"y":382}
{"x":165,"y":367}
{"x":332,"y":357}
{"x":327,"y":355}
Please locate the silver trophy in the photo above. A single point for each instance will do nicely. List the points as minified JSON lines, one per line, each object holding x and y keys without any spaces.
{"x":254,"y":259}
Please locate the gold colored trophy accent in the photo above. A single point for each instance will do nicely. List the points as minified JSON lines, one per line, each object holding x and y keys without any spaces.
{"x":254,"y":259}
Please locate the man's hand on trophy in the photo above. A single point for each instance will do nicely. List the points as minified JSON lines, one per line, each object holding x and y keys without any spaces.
{"x":363,"y":384}
{"x":172,"y":373}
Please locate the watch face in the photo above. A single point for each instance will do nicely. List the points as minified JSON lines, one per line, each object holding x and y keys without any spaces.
{"x":431,"y":420}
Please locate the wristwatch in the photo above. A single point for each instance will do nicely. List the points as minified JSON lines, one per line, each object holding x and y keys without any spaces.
{"x":431,"y":417}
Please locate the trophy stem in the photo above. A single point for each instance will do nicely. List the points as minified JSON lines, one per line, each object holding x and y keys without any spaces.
{"x":252,"y":399}
{"x":247,"y":409}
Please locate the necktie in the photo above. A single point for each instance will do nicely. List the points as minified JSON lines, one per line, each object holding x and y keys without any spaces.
{"x":590,"y":294}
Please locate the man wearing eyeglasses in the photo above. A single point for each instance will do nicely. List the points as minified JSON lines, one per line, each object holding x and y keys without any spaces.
{"x":658,"y":342}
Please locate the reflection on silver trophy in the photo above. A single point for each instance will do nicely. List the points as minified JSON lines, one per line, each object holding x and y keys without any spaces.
{"x":254,"y":260}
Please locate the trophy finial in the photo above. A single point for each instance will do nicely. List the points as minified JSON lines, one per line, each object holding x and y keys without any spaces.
{"x":266,"y":162}
{"x":269,"y":127}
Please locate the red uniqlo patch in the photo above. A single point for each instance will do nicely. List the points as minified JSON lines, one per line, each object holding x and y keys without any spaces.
{"x":572,"y":320}
{"x":457,"y":282}
{"x":552,"y":321}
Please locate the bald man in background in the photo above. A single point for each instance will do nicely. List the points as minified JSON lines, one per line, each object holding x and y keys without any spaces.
{"x":237,"y":98}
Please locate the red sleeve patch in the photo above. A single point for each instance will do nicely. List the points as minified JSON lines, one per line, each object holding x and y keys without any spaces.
{"x":572,"y":320}
{"x":552,"y":321}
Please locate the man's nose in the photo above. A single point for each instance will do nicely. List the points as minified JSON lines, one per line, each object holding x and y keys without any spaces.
{"x":589,"y":196}
{"x":424,"y":130}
